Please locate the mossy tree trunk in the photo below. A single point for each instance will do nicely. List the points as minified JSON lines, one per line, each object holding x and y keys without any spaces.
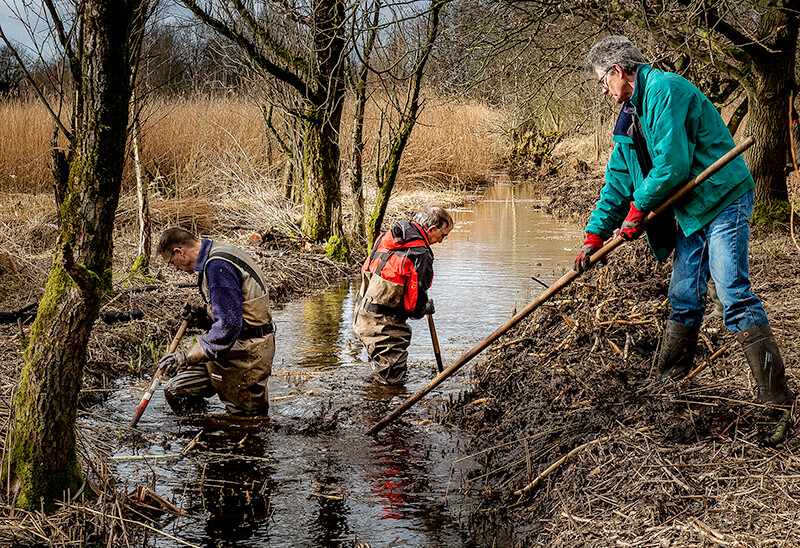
{"x":43,"y":460}
{"x":322,"y":191}
{"x":311,"y":64}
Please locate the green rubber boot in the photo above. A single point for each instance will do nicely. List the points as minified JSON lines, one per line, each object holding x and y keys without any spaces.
{"x":678,"y":349}
{"x":761,"y":350}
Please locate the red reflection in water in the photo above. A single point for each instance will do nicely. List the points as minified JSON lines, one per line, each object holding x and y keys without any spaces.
{"x":390,"y":488}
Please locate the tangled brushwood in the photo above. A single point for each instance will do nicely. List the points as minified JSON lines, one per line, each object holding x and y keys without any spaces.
{"x":576,"y":448}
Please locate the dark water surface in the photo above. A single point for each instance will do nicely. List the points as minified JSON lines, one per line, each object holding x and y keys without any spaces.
{"x":308,"y":476}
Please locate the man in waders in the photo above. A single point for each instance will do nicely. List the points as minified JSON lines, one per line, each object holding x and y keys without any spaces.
{"x":395,"y":279}
{"x":234,"y":359}
{"x":668,"y":132}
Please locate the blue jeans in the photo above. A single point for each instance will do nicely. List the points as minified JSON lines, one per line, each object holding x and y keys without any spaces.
{"x":718,"y":249}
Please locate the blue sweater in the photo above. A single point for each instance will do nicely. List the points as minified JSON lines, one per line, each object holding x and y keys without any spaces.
{"x":225,"y":292}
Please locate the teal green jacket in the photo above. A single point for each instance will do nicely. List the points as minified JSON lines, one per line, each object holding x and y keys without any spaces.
{"x":685,"y":134}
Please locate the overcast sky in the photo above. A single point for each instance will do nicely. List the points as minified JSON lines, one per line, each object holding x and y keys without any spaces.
{"x":11,"y":26}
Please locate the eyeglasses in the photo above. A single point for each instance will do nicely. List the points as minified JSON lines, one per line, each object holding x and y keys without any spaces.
{"x":603,"y":81}
{"x":171,"y":256}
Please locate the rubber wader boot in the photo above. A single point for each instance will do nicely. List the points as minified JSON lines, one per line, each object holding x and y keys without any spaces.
{"x":765,"y":361}
{"x":184,"y":405}
{"x":393,"y":374}
{"x":677,"y":351}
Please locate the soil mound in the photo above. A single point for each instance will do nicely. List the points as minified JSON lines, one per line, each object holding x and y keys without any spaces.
{"x":577,"y":449}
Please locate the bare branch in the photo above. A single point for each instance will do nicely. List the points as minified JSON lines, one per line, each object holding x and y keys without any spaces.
{"x":287,"y":10}
{"x":35,"y":87}
{"x":261,"y":33}
{"x":63,"y":37}
{"x":249,"y":48}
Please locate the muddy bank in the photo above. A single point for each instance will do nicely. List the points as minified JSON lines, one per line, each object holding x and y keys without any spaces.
{"x":574,"y":450}
{"x":293,"y":268}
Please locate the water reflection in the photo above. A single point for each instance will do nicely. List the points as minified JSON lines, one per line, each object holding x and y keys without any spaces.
{"x":304,"y":479}
{"x":331,"y":524}
{"x":316,"y":325}
{"x":485,"y":271}
{"x":234,"y":480}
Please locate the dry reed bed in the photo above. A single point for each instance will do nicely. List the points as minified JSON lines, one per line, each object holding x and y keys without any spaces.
{"x":575,"y":450}
{"x":201,"y":146}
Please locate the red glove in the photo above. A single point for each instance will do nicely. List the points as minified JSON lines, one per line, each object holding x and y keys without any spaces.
{"x":593,"y":243}
{"x":633,"y":226}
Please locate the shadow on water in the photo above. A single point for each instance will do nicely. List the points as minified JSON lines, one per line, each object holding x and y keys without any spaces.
{"x":307,"y":475}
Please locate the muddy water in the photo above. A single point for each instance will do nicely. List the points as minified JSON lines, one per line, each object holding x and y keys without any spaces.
{"x":307,"y":475}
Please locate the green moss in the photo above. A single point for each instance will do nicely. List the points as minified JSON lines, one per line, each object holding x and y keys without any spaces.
{"x":37,"y":486}
{"x":140,"y":265}
{"x":57,"y":285}
{"x":337,"y":249}
{"x":139,"y":273}
{"x":41,"y":488}
{"x":770,"y":213}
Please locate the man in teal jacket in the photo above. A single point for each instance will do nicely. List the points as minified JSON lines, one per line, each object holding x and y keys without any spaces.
{"x":667,"y":133}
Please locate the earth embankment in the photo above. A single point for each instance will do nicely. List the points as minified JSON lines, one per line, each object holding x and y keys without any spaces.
{"x":577,"y":450}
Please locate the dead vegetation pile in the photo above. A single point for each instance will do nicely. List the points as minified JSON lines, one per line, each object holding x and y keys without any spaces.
{"x":577,"y":451}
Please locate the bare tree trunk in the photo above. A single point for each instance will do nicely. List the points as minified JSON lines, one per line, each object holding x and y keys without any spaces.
{"x":42,"y":454}
{"x":142,"y":262}
{"x":768,"y":89}
{"x":767,"y":123}
{"x":357,"y":157}
{"x":357,"y":167}
{"x":387,"y":173}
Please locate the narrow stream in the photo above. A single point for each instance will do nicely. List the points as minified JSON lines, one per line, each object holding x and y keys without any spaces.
{"x":308,"y":476}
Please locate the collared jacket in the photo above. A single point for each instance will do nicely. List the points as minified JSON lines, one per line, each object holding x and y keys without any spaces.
{"x":397,"y":275}
{"x":685,"y":134}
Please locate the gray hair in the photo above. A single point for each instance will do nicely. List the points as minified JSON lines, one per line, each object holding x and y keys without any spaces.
{"x":614,"y":50}
{"x":433,"y":215}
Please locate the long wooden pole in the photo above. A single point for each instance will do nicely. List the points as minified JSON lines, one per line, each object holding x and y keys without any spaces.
{"x":157,"y":376}
{"x":435,"y":340}
{"x":564,"y":281}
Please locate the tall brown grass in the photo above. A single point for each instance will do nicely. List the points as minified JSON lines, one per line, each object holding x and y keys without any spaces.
{"x":216,"y":164}
{"x":25,"y":132}
{"x":208,"y":143}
